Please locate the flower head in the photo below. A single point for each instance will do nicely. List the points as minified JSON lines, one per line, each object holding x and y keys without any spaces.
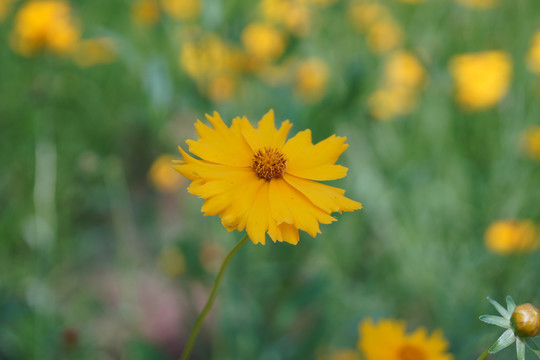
{"x":531,"y":141}
{"x":388,"y":340}
{"x":512,"y":236}
{"x":521,"y":323}
{"x":256,"y":179}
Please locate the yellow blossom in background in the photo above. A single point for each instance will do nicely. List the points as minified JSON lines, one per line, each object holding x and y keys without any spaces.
{"x":293,"y":15}
{"x":388,"y":340}
{"x":533,"y":56}
{"x":182,"y":9}
{"x":263,"y":42}
{"x":171,"y":261}
{"x":384,"y":36}
{"x":255,"y":179}
{"x":363,"y":15}
{"x":385,"y":104}
{"x":531,"y":142}
{"x":311,"y":79}
{"x":479,"y":4}
{"x":5,"y":7}
{"x":221,"y":88}
{"x":145,"y":12}
{"x":162,"y":176}
{"x":41,"y":25}
{"x":95,"y":52}
{"x":481,"y":79}
{"x":403,"y":69}
{"x":511,"y":236}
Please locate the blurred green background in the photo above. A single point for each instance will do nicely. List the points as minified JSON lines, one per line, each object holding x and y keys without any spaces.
{"x":104,"y":254}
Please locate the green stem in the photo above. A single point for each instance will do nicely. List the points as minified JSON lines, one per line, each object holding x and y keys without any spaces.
{"x":210,"y":301}
{"x":484,"y":355}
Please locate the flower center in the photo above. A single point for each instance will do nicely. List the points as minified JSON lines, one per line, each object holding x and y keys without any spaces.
{"x":269,"y":163}
{"x":408,"y":352}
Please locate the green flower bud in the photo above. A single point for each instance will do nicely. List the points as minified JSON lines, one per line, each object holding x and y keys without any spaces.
{"x":525,"y":320}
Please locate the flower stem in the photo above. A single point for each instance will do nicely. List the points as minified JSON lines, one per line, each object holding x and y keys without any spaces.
{"x":484,"y":355}
{"x":211,"y":298}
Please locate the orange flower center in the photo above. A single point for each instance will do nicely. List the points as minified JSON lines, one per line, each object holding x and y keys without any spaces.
{"x":269,"y":163}
{"x":409,"y":352}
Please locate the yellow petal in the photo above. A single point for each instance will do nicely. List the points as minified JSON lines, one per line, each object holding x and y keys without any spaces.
{"x":259,"y":216}
{"x":193,"y":168}
{"x":319,"y":173}
{"x":266,"y":134}
{"x":290,"y":233}
{"x":328,"y":198}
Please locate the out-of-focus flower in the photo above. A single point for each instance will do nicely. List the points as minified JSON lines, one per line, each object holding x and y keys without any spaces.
{"x":255,"y":179}
{"x":363,"y":15}
{"x":263,"y":42}
{"x":479,"y":4}
{"x":47,"y":24}
{"x":293,"y":15}
{"x":384,"y":36}
{"x":95,"y":52}
{"x":533,"y":57}
{"x":521,"y":323}
{"x":211,"y":256}
{"x":182,"y":9}
{"x":388,"y":340}
{"x":482,"y":79}
{"x":404,"y":70}
{"x":145,"y":12}
{"x":385,"y":104}
{"x":5,"y":7}
{"x":221,"y":88}
{"x":531,"y":142}
{"x":512,"y":236}
{"x":172,"y":261}
{"x":162,"y":176}
{"x":311,"y":79}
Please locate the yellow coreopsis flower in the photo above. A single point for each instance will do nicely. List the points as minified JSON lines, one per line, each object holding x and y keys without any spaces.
{"x":388,"y":340}
{"x":512,"y":236}
{"x":293,"y":15}
{"x":311,"y":79}
{"x":256,"y":179}
{"x":182,"y":9}
{"x":162,"y":177}
{"x":46,"y":24}
{"x":145,"y":12}
{"x":384,"y":36}
{"x":263,"y":42}
{"x":404,"y":70}
{"x":531,"y":142}
{"x":482,"y":79}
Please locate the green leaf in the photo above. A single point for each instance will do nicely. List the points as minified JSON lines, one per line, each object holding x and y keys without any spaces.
{"x":496,"y":320}
{"x":520,"y":348}
{"x":510,"y":305}
{"x":505,"y":340}
{"x":533,"y":347}
{"x":499,"y":308}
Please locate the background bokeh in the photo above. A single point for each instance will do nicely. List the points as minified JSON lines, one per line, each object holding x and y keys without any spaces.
{"x":104,"y":254}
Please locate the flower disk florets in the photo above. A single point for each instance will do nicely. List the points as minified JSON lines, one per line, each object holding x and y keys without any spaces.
{"x":269,"y":164}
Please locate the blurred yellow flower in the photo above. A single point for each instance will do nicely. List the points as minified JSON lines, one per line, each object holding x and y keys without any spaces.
{"x":404,"y":70}
{"x":387,"y":103}
{"x":256,"y":179}
{"x":479,"y":4}
{"x":533,"y":57}
{"x":145,"y":12}
{"x":221,"y":88}
{"x":388,"y":340}
{"x":162,"y":176}
{"x":95,"y":52}
{"x":384,"y":36}
{"x":172,"y":261}
{"x":481,"y":79}
{"x":293,"y":15}
{"x":531,"y":142}
{"x":47,"y":24}
{"x":511,"y":236}
{"x":311,"y":79}
{"x":182,"y":9}
{"x":263,"y":42}
{"x":363,"y":15}
{"x":5,"y":7}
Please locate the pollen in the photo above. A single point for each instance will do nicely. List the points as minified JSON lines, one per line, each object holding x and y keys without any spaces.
{"x":269,"y":163}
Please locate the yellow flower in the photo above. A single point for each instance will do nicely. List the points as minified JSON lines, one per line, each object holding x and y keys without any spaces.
{"x":94,"y":52}
{"x":263,"y":42}
{"x":162,"y":176}
{"x":533,"y":57}
{"x":145,"y":12}
{"x":256,"y":179}
{"x":293,"y":15}
{"x":478,"y":4}
{"x":512,"y":236}
{"x":384,"y":36}
{"x":403,"y":69}
{"x":482,"y":79}
{"x":387,"y":103}
{"x":311,"y":79}
{"x":531,"y":142}
{"x":364,"y":15}
{"x":46,"y":24}
{"x":182,"y":9}
{"x":221,"y":88}
{"x":388,"y":340}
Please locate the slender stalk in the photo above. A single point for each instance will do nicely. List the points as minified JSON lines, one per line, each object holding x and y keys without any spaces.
{"x":484,"y":355}
{"x":211,"y":298}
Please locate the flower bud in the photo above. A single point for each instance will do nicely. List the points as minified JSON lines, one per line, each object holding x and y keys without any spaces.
{"x":526,"y":320}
